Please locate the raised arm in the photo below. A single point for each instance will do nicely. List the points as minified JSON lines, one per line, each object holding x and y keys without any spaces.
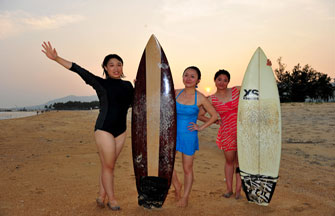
{"x":87,"y":76}
{"x":51,"y":53}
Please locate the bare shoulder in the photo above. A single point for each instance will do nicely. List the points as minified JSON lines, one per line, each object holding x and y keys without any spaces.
{"x":209,"y":98}
{"x":202,"y":98}
{"x":238,"y":87}
{"x":200,"y":95}
{"x":177,"y":91}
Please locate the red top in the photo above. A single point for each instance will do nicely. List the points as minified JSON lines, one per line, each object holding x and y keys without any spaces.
{"x":227,"y":134}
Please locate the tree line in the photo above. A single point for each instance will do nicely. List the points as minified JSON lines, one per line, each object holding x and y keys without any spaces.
{"x":75,"y":105}
{"x":302,"y":83}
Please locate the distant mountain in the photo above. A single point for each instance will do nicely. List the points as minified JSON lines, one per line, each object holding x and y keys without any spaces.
{"x":64,"y":100}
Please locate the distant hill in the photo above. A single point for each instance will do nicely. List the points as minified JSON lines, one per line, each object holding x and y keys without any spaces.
{"x":64,"y":100}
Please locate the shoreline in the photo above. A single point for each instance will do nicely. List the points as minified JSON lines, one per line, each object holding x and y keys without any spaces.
{"x":16,"y":114}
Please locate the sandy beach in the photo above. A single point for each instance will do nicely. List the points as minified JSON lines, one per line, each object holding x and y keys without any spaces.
{"x":49,"y":166}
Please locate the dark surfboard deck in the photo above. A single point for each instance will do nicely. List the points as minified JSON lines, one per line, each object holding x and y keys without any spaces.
{"x":153,"y":126}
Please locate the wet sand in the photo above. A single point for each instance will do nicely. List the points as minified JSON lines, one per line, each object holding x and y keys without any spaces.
{"x":49,"y":166}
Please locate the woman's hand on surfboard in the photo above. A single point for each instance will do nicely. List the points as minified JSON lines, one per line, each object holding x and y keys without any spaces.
{"x":50,"y":52}
{"x":268,"y":62}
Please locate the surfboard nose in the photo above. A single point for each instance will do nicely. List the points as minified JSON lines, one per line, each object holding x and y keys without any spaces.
{"x":153,"y":36}
{"x":153,"y":40}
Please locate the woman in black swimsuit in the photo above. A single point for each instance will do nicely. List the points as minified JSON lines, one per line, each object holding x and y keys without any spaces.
{"x":115,"y":97}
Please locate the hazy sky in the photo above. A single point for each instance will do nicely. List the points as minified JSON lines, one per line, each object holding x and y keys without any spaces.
{"x":211,"y":34}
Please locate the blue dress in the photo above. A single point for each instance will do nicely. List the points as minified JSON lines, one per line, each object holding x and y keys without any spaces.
{"x":187,"y":141}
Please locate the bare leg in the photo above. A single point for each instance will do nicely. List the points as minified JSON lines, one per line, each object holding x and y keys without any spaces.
{"x":109,"y":149}
{"x":238,"y":180}
{"x":177,"y":185}
{"x":102,"y":194}
{"x":229,"y":172}
{"x":188,"y":179}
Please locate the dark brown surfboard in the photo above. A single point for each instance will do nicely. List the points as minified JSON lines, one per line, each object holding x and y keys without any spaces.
{"x":153,"y":127}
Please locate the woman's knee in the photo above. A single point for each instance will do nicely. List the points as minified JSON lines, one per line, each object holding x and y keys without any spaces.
{"x":188,"y":169}
{"x":108,"y":163}
{"x":230,"y":158}
{"x":108,"y":166}
{"x":230,"y":161}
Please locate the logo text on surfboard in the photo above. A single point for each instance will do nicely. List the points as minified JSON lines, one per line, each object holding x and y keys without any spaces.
{"x":251,"y":94}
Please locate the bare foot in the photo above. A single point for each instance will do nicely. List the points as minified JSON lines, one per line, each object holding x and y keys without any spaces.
{"x":238,"y":196}
{"x":100,"y":202}
{"x":113,"y":205}
{"x":183,"y":202}
{"x":177,"y":193}
{"x":227,"y":195}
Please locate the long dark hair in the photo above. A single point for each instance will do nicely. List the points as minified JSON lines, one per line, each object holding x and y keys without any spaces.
{"x":107,"y":58}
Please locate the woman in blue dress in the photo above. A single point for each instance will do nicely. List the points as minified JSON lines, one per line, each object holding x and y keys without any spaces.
{"x":188,"y":101}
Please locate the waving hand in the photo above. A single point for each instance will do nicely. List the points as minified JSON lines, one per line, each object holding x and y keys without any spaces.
{"x":50,"y":52}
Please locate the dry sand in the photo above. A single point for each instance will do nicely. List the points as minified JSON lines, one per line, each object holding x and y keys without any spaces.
{"x":49,"y":166}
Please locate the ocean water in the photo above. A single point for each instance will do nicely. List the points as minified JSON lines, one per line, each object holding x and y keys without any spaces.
{"x":11,"y":115}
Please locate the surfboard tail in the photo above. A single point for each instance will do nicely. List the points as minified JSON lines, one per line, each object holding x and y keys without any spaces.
{"x":152,"y":191}
{"x":258,"y":188}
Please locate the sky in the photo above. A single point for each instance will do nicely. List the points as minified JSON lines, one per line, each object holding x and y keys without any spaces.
{"x":210,"y":34}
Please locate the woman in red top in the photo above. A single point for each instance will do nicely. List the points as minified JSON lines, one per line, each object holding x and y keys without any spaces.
{"x":225,"y":101}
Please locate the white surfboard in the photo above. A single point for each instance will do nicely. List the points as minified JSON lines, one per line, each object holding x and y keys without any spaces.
{"x":259,"y":130}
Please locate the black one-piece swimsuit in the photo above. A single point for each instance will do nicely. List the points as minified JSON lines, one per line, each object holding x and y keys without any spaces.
{"x":115,"y":97}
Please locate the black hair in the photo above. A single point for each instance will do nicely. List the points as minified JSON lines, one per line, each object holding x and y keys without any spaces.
{"x":222,"y":72}
{"x":196,"y":69}
{"x":107,"y":58}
